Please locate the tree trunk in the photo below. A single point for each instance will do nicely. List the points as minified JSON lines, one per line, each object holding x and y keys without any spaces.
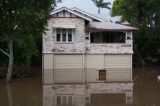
{"x":9,"y":94}
{"x":10,"y":64}
{"x":99,"y":10}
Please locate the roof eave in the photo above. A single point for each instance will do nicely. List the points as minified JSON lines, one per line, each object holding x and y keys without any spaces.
{"x":100,"y":30}
{"x":69,"y":10}
{"x":90,"y":15}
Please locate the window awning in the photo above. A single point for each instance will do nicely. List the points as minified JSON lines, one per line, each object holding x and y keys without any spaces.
{"x":64,"y":26}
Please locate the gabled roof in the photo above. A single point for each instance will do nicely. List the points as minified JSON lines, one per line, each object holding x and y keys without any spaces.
{"x":108,"y":26}
{"x":88,"y":14}
{"x":70,"y":11}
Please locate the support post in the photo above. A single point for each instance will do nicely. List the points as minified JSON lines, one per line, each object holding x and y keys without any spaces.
{"x":83,"y":68}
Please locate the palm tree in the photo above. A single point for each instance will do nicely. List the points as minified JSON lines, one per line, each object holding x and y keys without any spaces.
{"x":101,"y":4}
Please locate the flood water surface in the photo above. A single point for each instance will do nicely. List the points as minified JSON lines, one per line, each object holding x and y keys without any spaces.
{"x":22,"y":92}
{"x":144,"y":91}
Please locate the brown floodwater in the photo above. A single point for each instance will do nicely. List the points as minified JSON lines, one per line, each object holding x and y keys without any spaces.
{"x":144,"y":91}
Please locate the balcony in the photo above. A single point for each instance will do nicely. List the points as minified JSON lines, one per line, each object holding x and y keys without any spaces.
{"x":109,"y":43}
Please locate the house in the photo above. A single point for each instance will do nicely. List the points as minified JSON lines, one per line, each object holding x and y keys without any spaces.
{"x":90,"y":94}
{"x":79,"y":47}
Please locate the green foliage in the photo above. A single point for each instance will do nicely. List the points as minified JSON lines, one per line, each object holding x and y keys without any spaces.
{"x":23,"y":21}
{"x":137,"y":12}
{"x":144,"y":14}
{"x":101,"y":4}
{"x":147,"y":41}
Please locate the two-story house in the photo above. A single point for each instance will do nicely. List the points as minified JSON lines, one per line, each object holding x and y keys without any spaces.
{"x":79,"y":47}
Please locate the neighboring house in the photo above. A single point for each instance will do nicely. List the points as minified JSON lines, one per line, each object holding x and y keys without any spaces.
{"x":79,"y":47}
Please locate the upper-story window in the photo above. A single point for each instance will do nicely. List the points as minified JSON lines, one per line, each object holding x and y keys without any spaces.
{"x":64,"y":35}
{"x":107,"y":37}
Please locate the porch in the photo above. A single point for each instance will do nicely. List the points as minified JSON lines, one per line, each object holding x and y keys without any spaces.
{"x":109,"y":42}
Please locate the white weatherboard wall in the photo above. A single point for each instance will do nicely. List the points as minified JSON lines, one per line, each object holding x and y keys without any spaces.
{"x":93,"y":64}
{"x":119,"y":67}
{"x":48,"y":69}
{"x":68,"y":68}
{"x":118,"y":61}
{"x":60,"y":68}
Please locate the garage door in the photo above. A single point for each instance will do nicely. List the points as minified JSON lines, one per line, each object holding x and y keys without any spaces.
{"x":118,"y":61}
{"x":118,"y":67}
{"x":94,"y":61}
{"x":68,"y":68}
{"x":68,"y":61}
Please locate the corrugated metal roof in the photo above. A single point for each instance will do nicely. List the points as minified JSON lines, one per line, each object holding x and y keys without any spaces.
{"x":109,"y":26}
{"x":89,"y":15}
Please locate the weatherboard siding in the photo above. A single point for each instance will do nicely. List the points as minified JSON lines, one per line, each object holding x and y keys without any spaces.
{"x":60,"y":68}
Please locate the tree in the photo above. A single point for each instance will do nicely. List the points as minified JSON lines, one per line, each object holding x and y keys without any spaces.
{"x":137,"y":12}
{"x":101,"y":4}
{"x":145,"y":15}
{"x":21,"y":21}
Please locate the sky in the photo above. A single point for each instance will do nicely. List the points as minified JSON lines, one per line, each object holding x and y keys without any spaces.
{"x":86,"y":5}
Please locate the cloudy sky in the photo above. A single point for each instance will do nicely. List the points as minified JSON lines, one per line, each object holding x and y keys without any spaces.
{"x":86,"y":5}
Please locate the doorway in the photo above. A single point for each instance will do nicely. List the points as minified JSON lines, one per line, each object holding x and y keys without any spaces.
{"x":102,"y":74}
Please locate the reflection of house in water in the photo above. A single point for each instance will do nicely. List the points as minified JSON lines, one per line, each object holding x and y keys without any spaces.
{"x":64,"y":95}
{"x":91,"y":94}
{"x":109,"y":93}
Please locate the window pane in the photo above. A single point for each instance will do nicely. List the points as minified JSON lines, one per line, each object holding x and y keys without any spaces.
{"x":69,"y":31}
{"x":64,"y":38}
{"x":58,"y":100}
{"x":112,"y":37}
{"x":107,"y":40}
{"x":119,"y":37}
{"x":69,"y":35}
{"x":64,"y":102}
{"x":122,"y":37}
{"x":70,"y":101}
{"x":64,"y":35}
{"x":92,"y":37}
{"x":58,"y":31}
{"x":58,"y":37}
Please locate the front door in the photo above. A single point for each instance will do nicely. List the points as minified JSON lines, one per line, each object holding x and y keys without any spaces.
{"x":102,"y":74}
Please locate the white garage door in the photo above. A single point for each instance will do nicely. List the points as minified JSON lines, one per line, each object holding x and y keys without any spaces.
{"x":118,"y":61}
{"x":68,"y":68}
{"x":94,"y":61}
{"x":68,"y":61}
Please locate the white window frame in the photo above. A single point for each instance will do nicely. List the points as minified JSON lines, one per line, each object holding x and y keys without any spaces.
{"x":67,"y":99}
{"x":61,"y":35}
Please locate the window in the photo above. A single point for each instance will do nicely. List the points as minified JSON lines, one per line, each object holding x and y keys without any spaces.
{"x":65,"y":100}
{"x":64,"y":35}
{"x":107,"y":37}
{"x":102,"y":74}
